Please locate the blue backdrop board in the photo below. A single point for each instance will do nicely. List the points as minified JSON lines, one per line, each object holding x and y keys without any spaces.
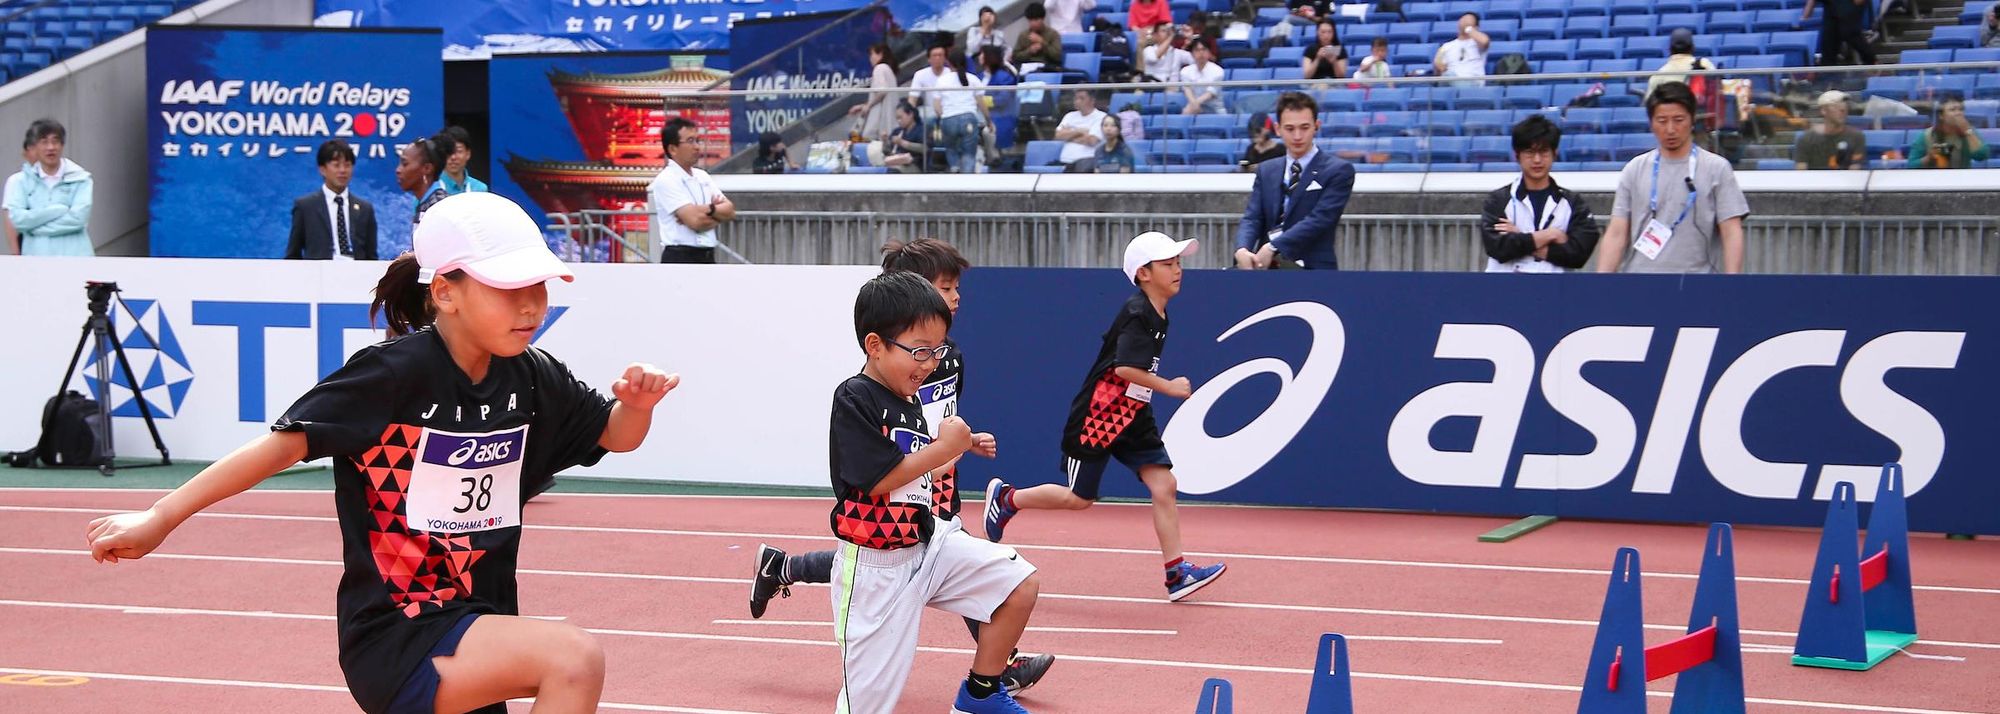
{"x":235,"y":117}
{"x":495,"y":27}
{"x":836,"y":58}
{"x":1743,"y":399}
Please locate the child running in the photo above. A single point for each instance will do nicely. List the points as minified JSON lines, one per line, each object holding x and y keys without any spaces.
{"x":1112,"y":416}
{"x":897,"y":556}
{"x":941,"y":264}
{"x":436,"y":435}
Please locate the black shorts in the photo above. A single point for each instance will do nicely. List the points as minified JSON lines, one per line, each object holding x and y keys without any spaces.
{"x":1086,"y":474}
{"x":419,"y":692}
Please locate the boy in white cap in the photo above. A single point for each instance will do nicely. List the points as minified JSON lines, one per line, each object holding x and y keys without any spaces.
{"x":437,"y":435}
{"x":1112,"y":416}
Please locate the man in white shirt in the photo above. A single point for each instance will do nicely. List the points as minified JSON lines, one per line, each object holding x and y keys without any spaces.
{"x":953,"y":98}
{"x":1163,"y":61}
{"x":686,"y":204}
{"x":1081,"y":131}
{"x":331,"y":223}
{"x":1202,"y":99}
{"x":1067,"y":15}
{"x":1465,"y":56}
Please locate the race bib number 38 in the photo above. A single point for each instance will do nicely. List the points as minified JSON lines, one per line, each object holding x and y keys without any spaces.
{"x":467,"y":482}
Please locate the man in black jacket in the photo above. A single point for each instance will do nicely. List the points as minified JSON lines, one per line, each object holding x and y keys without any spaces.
{"x":331,"y":224}
{"x":1532,"y":225}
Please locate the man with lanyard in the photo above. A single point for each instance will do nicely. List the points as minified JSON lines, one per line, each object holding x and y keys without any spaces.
{"x":686,"y":204}
{"x":1295,"y":204}
{"x":1532,"y":225}
{"x":1692,"y":219}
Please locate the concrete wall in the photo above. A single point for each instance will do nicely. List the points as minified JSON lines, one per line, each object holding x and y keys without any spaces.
{"x":100,"y":97}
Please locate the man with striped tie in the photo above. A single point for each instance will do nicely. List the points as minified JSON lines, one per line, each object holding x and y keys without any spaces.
{"x":331,"y":224}
{"x":1295,"y":205}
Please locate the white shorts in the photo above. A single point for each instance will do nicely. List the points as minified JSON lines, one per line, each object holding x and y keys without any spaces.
{"x":879,"y":597}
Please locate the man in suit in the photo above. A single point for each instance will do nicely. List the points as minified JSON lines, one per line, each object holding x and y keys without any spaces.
{"x":1295,"y":205}
{"x":331,"y":224}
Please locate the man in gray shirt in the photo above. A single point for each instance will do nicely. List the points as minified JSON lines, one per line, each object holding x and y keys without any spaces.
{"x":1678,"y":208}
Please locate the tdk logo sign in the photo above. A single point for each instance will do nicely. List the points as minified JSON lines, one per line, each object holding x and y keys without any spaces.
{"x":1208,"y":463}
{"x":156,"y":358}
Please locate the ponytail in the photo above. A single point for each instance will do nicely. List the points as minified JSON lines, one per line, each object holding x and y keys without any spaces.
{"x":402,"y":302}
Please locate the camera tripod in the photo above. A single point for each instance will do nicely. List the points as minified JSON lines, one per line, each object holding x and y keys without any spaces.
{"x":98,"y":334}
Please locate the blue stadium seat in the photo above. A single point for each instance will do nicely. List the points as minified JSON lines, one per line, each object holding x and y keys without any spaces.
{"x":1582,"y":27}
{"x":1531,"y":97}
{"x":1880,"y":140}
{"x":54,"y":28}
{"x":1632,"y":26}
{"x":1238,"y":62}
{"x":1630,"y":146}
{"x":1562,"y":94}
{"x":1448,"y":149}
{"x":1450,"y":168}
{"x":1746,"y":43}
{"x":1487,"y":149}
{"x":1540,"y":28}
{"x":1479,"y":98}
{"x":1714,"y":6}
{"x":1628,"y":120}
{"x":1983,"y":113}
{"x":1499,"y":167}
{"x":1386,"y":99}
{"x":1576,"y":66}
{"x":1614,"y":65}
{"x":1675,"y":7}
{"x":1618,"y":94}
{"x":1270,"y":16}
{"x":1413,"y":53}
{"x":1086,"y":62}
{"x":1401,"y":149}
{"x":1253,"y":74}
{"x":1451,"y":122}
{"x":1590,"y":8}
{"x":1955,"y":37}
{"x":72,"y":46}
{"x":1651,"y":48}
{"x":1175,"y":152}
{"x":1487,"y":122}
{"x":1545,"y":50}
{"x":1588,"y":147}
{"x":1287,"y":74}
{"x":1987,"y":86}
{"x":1175,"y":126}
{"x":1981,"y":54}
{"x":1547,"y":8}
{"x":1937,"y":87}
{"x":1364,"y":33}
{"x":1902,"y":121}
{"x":1777,"y":21}
{"x":1610,"y":166}
{"x":1501,"y":29}
{"x":1421,"y":11}
{"x":1215,"y":126}
{"x":1762,"y":4}
{"x":1254,"y":102}
{"x":1284,"y":57}
{"x":1217,"y":151}
{"x":1692,"y":22}
{"x":1401,"y":33}
{"x":1444,"y":31}
{"x":1343,"y":124}
{"x":1505,"y":10}
{"x":1391,"y":124}
{"x":1799,"y":47}
{"x":1973,"y":12}
{"x":1599,"y":48}
{"x":1079,"y":42}
{"x":1727,"y":22}
{"x":1501,"y":49}
{"x":1341,"y":100}
{"x":1585,"y":120}
{"x":1042,"y":153}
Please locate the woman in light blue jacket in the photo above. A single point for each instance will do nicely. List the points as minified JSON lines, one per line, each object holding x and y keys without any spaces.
{"x":49,"y":201}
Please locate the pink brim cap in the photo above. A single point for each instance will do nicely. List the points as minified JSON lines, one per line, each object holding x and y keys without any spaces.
{"x":518,"y":269}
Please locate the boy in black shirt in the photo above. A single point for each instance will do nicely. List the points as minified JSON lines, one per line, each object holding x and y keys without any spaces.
{"x":897,"y":555}
{"x":1112,"y":416}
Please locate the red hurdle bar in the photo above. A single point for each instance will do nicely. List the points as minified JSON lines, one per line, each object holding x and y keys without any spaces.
{"x":1874,"y":570}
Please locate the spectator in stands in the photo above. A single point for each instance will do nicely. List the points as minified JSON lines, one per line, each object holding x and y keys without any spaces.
{"x":1532,"y":225}
{"x":1264,"y":144}
{"x":1066,"y":16}
{"x":1196,"y":30}
{"x":1114,"y":156}
{"x":1465,"y":56}
{"x":1681,"y":59}
{"x":902,"y":149}
{"x":1308,"y":12}
{"x":1082,"y":131}
{"x":332,"y":223}
{"x":1040,"y":44}
{"x":773,"y":156}
{"x":50,"y":201}
{"x":877,"y":113}
{"x":454,"y":178}
{"x":1842,"y":26}
{"x":1834,"y":144}
{"x":1949,"y":144}
{"x":1203,"y":98}
{"x":1376,"y":64}
{"x":1678,"y":208}
{"x":995,"y":72}
{"x":1295,"y":203}
{"x":1325,"y":58}
{"x":1144,"y":15}
{"x":1160,"y":60}
{"x":1989,"y":27}
{"x":986,"y":34}
{"x":417,"y":169}
{"x":953,"y":97}
{"x":686,"y":205}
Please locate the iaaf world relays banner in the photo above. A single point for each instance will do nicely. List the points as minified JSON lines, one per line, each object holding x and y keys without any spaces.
{"x":236,"y":115}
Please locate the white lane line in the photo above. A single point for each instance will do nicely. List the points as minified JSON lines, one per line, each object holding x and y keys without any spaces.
{"x":1323,"y":560}
{"x":1031,"y":628}
{"x":1272,"y":607}
{"x":290,"y":686}
{"x":1206,"y":666}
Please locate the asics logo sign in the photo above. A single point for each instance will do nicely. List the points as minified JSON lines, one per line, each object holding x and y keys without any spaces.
{"x":1653,"y":459}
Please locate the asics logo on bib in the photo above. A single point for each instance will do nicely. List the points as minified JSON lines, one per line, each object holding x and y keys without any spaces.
{"x":475,"y":451}
{"x":1207,"y":463}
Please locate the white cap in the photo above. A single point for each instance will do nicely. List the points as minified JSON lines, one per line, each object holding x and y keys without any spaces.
{"x":1831,"y":97}
{"x":1151,"y":246}
{"x":488,"y":237}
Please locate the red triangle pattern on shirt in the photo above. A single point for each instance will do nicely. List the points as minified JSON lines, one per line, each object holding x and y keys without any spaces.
{"x":419,"y":569}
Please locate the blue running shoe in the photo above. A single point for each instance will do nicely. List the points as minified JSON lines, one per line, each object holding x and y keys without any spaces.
{"x":997,"y":515}
{"x":999,"y":703}
{"x":1192,"y":579}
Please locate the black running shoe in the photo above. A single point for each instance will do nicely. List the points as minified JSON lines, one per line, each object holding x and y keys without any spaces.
{"x":766,"y":582}
{"x":1024,"y":671}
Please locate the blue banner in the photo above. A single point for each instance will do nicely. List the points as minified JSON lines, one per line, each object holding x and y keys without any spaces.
{"x":235,"y":118}
{"x":836,"y":58}
{"x":493,"y":27}
{"x":1700,"y":398}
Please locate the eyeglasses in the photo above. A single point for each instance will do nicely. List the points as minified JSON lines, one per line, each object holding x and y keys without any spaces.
{"x":921,"y":354}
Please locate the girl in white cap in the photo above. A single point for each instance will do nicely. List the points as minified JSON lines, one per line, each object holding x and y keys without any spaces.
{"x":436,"y":436}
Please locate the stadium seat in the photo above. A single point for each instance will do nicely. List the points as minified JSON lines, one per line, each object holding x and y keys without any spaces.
{"x":1400,"y":149}
{"x":1287,"y":74}
{"x":1383,"y":124}
{"x":1363,"y":34}
{"x":1526,"y":97}
{"x":1973,"y":12}
{"x":1341,"y":100}
{"x":1575,"y":66}
{"x":1505,"y":10}
{"x":1217,"y":151}
{"x":1591,"y":8}
{"x":1413,"y":53}
{"x":1652,"y":48}
{"x":1926,"y":56}
{"x":1499,"y":167}
{"x":1501,"y":49}
{"x":1628,"y":120}
{"x":1253,"y":74}
{"x":1385,"y":99}
{"x":1254,"y":102}
{"x":1175,"y":126}
{"x":1545,"y":50}
{"x":1981,"y":54}
{"x":1479,"y":98}
{"x":1632,"y":26}
{"x":1799,"y":47}
{"x":1614,"y":65}
{"x":1937,"y":87}
{"x":1407,"y":33}
{"x":1239,"y":62}
{"x":1042,"y":153}
{"x":1486,"y":149}
{"x":1727,"y":22}
{"x":1611,"y":166}
{"x":1902,"y":121}
{"x":1880,"y":140}
{"x":1422,"y":11}
{"x":1586,"y":120}
{"x":1761,"y":4}
{"x":1487,"y":122}
{"x":1176,"y":152}
{"x":1546,"y":9}
{"x":1449,"y":122}
{"x":1285,"y":57}
{"x":1987,"y":86}
{"x":1711,"y":7}
{"x":1630,"y":146}
{"x":1270,"y":16}
{"x":1588,"y":147}
{"x":1784,"y":21}
{"x":1214,"y":126}
{"x":1447,"y":149}
{"x":1896,"y":88}
{"x":1598,"y":48}
{"x":1692,"y":22}
{"x":1344,"y":124}
{"x":1086,"y":62}
{"x":1584,"y":27}
{"x":1540,"y":28}
{"x":1079,"y":42}
{"x":1443,"y":31}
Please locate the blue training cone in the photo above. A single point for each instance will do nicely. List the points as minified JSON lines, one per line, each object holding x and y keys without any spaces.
{"x":1847,"y":626}
{"x":1715,"y":688}
{"x":1332,"y":692}
{"x":1215,"y":697}
{"x":1615,"y":681}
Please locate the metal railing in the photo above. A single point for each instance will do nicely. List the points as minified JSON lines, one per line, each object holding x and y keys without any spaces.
{"x":1852,"y":245}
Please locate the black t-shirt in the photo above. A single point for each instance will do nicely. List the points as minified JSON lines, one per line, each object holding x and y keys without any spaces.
{"x":429,"y":474}
{"x":1108,"y":409}
{"x":939,"y":399}
{"x":1252,"y":157}
{"x":1325,"y":70}
{"x":872,"y":429}
{"x":1538,"y":200}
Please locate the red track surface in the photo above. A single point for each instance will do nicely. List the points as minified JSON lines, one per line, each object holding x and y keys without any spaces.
{"x":653,"y":575}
